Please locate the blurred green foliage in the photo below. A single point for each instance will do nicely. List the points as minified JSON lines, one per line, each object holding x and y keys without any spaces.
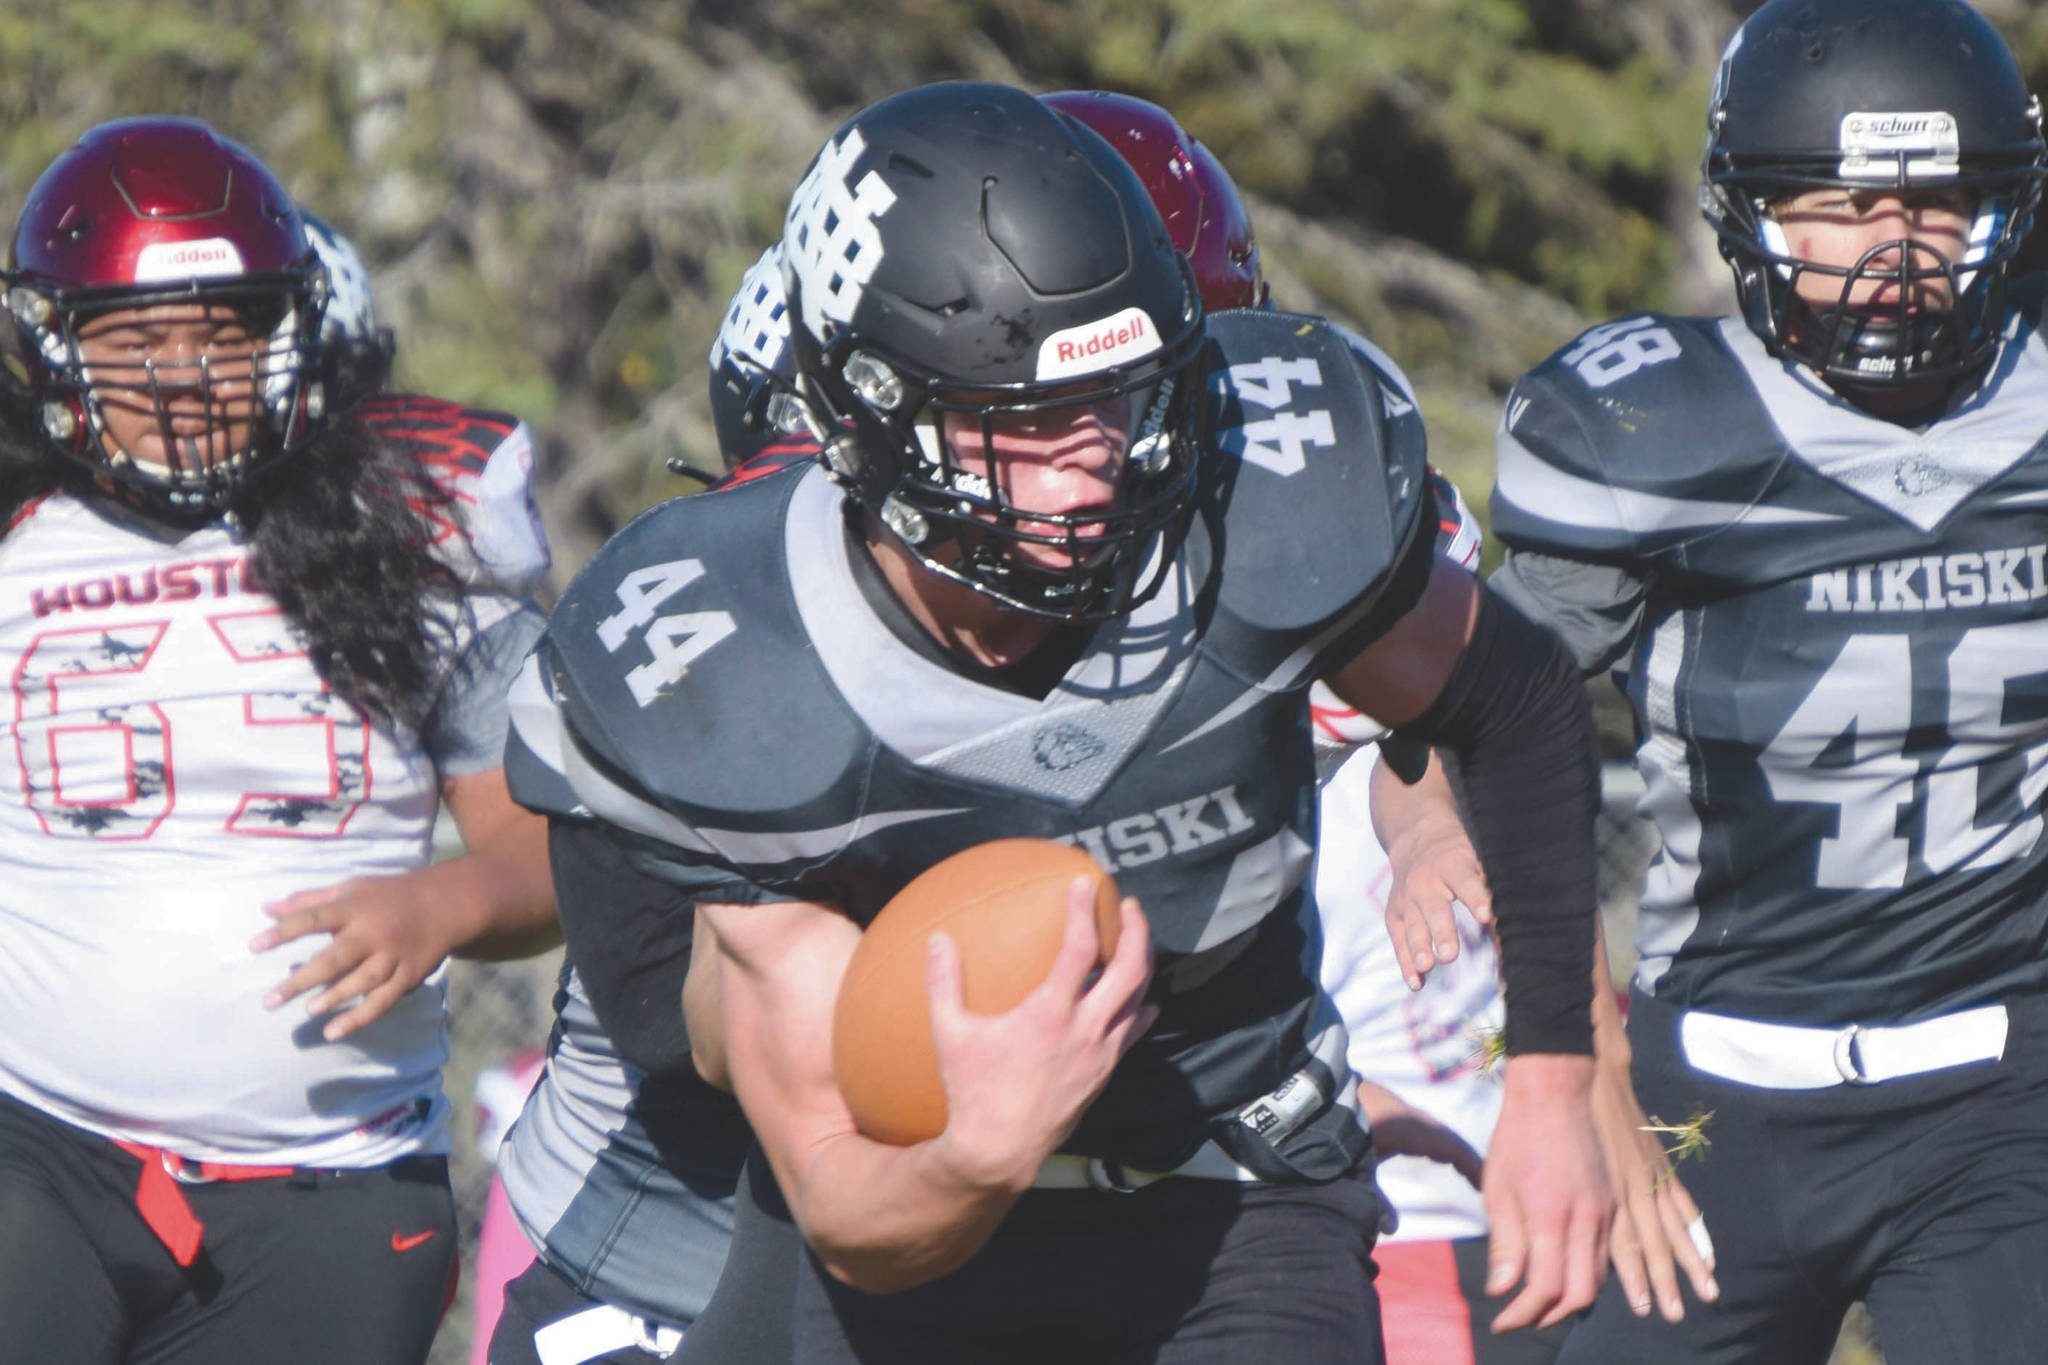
{"x":556,"y":198}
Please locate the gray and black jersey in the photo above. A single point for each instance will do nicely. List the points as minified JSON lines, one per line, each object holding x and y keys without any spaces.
{"x":622,"y":1178}
{"x":1834,"y":633}
{"x":717,"y":684}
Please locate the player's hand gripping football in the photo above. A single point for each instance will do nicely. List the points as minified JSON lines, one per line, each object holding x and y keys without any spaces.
{"x":1547,"y":1196}
{"x":1017,"y":1083}
{"x":389,"y":934}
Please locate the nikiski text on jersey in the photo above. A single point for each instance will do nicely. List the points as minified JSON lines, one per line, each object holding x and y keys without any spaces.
{"x":1179,"y":827}
{"x":1967,"y":578}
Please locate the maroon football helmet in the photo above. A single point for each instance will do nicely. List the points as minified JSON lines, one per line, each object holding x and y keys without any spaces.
{"x":147,"y":212}
{"x":1194,"y":194}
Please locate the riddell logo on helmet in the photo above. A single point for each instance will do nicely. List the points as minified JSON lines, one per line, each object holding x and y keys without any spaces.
{"x":187,"y":260}
{"x":1097,"y":346}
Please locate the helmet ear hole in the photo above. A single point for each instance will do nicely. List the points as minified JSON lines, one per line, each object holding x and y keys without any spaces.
{"x":874,"y":382}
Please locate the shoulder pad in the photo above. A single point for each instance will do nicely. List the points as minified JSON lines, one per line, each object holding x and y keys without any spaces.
{"x":1317,"y":494}
{"x":681,"y":666}
{"x":1641,"y":434}
{"x":1398,"y":393}
{"x":490,"y":531}
{"x":1397,"y":403}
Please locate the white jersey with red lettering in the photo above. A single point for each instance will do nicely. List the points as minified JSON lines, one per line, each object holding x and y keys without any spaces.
{"x":170,"y":764}
{"x":1424,"y":1046}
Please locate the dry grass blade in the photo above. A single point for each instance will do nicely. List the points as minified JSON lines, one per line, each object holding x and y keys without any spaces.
{"x":1681,"y":1141}
{"x":1489,"y":1049}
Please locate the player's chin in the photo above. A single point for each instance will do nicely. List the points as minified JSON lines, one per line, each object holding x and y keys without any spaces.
{"x":1881,"y":304}
{"x":186,"y":451}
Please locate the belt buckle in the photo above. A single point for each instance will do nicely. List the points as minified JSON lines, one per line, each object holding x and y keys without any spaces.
{"x":1849,"y":1058}
{"x":1107,"y":1175}
{"x":184,"y":1170}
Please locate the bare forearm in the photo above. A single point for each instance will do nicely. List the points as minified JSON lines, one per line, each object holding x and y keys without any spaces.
{"x":703,"y":1008}
{"x":501,"y":901}
{"x":1610,"y":1038}
{"x":1400,"y":809}
{"x":881,"y":1218}
{"x":886,"y":1219}
{"x":500,"y":895}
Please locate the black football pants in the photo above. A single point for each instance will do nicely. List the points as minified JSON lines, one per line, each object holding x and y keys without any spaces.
{"x":1925,"y":1197}
{"x":542,"y":1305}
{"x":318,"y":1268}
{"x":1182,"y":1272}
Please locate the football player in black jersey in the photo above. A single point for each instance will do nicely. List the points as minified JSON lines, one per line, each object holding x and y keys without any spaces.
{"x":1069,"y":562}
{"x":1808,"y":538}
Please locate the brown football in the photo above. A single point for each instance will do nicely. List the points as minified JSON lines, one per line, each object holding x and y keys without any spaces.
{"x":1004,"y":903}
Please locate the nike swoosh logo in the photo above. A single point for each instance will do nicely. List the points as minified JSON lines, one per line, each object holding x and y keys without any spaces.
{"x":399,"y":1243}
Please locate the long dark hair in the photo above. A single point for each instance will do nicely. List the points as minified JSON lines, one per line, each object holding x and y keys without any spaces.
{"x":27,"y":468}
{"x":341,"y":532}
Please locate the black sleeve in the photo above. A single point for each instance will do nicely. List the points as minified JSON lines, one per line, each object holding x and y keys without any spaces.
{"x":628,"y":935}
{"x":1514,"y":718}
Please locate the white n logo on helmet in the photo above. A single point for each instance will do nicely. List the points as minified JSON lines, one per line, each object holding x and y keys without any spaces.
{"x":756,"y":327}
{"x":830,"y":235}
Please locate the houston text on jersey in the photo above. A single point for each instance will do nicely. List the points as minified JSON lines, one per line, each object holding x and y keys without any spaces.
{"x":172,"y":583}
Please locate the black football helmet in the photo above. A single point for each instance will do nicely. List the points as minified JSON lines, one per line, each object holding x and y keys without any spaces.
{"x":961,"y":248}
{"x":1899,"y":95}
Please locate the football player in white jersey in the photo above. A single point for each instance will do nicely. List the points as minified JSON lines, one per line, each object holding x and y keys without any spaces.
{"x":1809,"y":538}
{"x":257,"y":625}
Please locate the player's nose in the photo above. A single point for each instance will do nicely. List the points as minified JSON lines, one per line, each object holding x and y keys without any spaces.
{"x":1091,"y":439}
